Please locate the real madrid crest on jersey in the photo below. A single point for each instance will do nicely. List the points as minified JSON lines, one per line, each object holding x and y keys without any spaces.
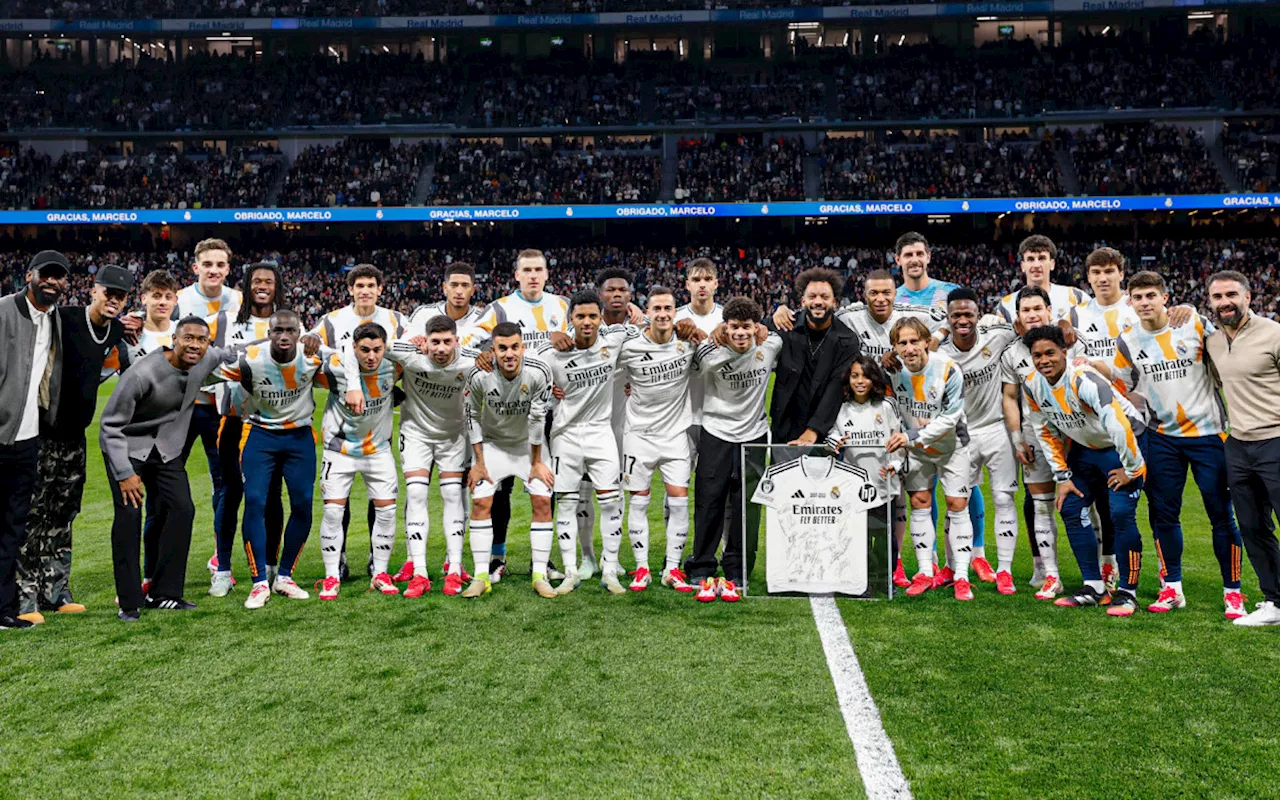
{"x":553,"y":323}
{"x":680,"y":348}
{"x":879,"y":418}
{"x":1181,"y":347}
{"x":604,"y":354}
{"x":759,"y":354}
{"x":835,"y":492}
{"x":933,"y":392}
{"x":986,"y":352}
{"x":524,"y":388}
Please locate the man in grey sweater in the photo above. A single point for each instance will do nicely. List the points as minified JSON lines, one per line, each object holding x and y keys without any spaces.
{"x":30,"y":379}
{"x":142,"y":435}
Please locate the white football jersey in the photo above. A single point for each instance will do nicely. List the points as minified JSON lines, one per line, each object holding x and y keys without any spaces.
{"x":469,"y":331}
{"x":536,"y":319}
{"x":194,"y":303}
{"x":224,"y":331}
{"x":434,"y":404}
{"x":337,"y":326}
{"x":1098,"y":326}
{"x":509,"y":413}
{"x":983,"y":389}
{"x":369,"y":432}
{"x":659,"y":378}
{"x":874,"y":335}
{"x":733,"y":409}
{"x":150,"y":341}
{"x":860,"y":431}
{"x":816,"y":525}
{"x":586,"y":377}
{"x":706,"y":323}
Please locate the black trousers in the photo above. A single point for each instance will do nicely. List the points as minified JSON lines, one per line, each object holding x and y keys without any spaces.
{"x":171,"y":503}
{"x":1253,"y":475}
{"x":18,"y":462}
{"x":717,"y":485}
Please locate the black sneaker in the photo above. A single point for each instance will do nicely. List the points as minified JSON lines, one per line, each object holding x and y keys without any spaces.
{"x":11,"y":623}
{"x":497,"y":569}
{"x":169,"y":604}
{"x":1084,"y":596}
{"x":126,"y":615}
{"x":1123,"y":604}
{"x":344,"y":572}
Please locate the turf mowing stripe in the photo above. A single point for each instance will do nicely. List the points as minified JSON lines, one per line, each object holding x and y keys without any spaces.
{"x":881,"y":773}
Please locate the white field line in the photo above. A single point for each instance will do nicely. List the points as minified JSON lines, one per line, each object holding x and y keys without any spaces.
{"x":881,"y":773}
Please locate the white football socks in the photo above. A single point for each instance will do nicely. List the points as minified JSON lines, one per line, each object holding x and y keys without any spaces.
{"x":610,"y":524}
{"x":384,"y":537}
{"x":1046,"y":532}
{"x":677,"y":530}
{"x":567,"y":529}
{"x":417,"y":521}
{"x":1006,"y":530}
{"x":923,"y":538}
{"x":541,"y":535}
{"x":455,"y":520}
{"x":638,"y":529}
{"x":960,"y":540}
{"x":331,"y":539}
{"x":481,"y":547}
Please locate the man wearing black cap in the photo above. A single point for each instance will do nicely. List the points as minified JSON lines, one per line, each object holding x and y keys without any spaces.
{"x":88,"y":334}
{"x":30,"y":379}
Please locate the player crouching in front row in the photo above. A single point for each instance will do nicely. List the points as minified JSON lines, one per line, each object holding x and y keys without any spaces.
{"x":1077,"y":405}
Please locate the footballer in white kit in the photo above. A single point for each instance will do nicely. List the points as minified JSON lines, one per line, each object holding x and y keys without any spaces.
{"x":658,"y":365}
{"x":701,"y":281}
{"x":977,"y":348}
{"x":433,"y":434}
{"x":359,"y":443}
{"x":1037,"y":255}
{"x":506,"y":411}
{"x":582,"y":442}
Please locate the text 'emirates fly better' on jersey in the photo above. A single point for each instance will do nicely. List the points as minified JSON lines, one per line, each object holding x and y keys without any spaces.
{"x":818,"y":512}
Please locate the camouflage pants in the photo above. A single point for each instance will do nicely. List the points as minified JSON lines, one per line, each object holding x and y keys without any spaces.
{"x":44,"y":562}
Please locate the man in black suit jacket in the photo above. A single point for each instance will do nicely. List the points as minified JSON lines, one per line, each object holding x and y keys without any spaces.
{"x":807,"y":390}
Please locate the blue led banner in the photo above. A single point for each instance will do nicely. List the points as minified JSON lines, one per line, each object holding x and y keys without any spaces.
{"x":1010,"y":8}
{"x":1003,"y":205}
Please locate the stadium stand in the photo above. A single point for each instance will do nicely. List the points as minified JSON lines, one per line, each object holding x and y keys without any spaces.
{"x":721,"y":168}
{"x":486,"y":173}
{"x":1254,"y":151}
{"x":1143,"y":159}
{"x":354,"y":172}
{"x":922,"y":167}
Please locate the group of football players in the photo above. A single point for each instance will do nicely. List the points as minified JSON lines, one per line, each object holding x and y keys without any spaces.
{"x":1093,"y":399}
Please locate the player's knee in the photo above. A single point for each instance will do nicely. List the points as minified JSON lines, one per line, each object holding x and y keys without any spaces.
{"x":957,"y":504}
{"x":541,"y":507}
{"x":921,"y":499}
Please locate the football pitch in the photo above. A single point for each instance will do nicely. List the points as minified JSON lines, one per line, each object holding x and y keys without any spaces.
{"x":651,"y":694}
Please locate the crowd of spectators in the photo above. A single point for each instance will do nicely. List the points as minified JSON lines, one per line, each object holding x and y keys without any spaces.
{"x":354,"y":172}
{"x":1142,"y":159}
{"x":373,"y":90}
{"x":552,"y":92}
{"x":22,"y":173}
{"x":316,"y":278}
{"x":538,"y":173}
{"x":1254,"y":151}
{"x":783,"y":92}
{"x":161,"y":178}
{"x":1006,"y":79}
{"x":927,"y":167}
{"x":739,"y":168}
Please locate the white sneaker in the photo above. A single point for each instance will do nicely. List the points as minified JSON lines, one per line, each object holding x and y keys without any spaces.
{"x":1267,"y":613}
{"x":587,"y":569}
{"x":220,"y":585}
{"x":272,"y":574}
{"x":570,"y":582}
{"x":259,"y":596}
{"x":1037,"y":578}
{"x":289,"y":588}
{"x":554,"y":574}
{"x":609,"y":580}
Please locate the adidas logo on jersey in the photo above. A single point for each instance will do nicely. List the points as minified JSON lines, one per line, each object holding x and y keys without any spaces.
{"x":647,"y":357}
{"x":1142,"y":356}
{"x":494,"y":393}
{"x":799,"y":495}
{"x":1092,"y":328}
{"x":572,"y":364}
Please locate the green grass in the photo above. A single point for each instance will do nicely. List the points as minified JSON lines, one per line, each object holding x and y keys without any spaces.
{"x":515,"y":696}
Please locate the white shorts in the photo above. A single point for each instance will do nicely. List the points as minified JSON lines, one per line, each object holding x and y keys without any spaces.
{"x":951,"y":470}
{"x":417,"y":453}
{"x":1040,"y":471}
{"x":507,"y":462}
{"x":582,"y":453}
{"x":990,"y":446}
{"x":642,"y":453}
{"x":338,"y":472}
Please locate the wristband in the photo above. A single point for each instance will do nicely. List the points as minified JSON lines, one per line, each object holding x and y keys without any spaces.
{"x":1017,"y":438}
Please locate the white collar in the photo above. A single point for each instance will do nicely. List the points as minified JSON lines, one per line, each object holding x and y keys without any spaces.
{"x":35,"y":312}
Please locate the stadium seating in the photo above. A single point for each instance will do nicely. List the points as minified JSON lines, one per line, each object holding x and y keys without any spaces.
{"x":1254,"y":151}
{"x":159,"y":179}
{"x":354,"y":172}
{"x":743,"y":168}
{"x":1143,"y":159}
{"x":486,"y":173}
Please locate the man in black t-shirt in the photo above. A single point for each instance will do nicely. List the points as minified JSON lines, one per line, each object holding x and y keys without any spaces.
{"x":89,"y":334}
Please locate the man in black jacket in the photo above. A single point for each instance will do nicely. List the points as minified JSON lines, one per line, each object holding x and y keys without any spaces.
{"x":815,"y":356}
{"x":89,"y":333}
